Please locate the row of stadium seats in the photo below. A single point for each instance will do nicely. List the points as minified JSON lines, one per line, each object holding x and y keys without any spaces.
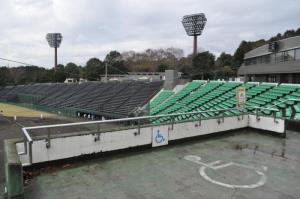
{"x":218,"y":95}
{"x":123,"y":98}
{"x":161,"y":97}
{"x":117,"y":98}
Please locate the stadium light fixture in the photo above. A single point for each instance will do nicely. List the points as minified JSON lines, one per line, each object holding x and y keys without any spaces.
{"x":194,"y":25}
{"x":54,"y":40}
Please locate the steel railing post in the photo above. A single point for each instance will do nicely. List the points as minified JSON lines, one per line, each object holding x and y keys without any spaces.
{"x":30,"y":152}
{"x":172,"y":122}
{"x":200,"y":119}
{"x":139,"y":127}
{"x":48,"y":143}
{"x":223,"y":116}
{"x":257,"y":116}
{"x":97,"y":138}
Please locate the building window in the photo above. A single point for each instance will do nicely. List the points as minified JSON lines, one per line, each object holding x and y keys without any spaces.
{"x":279,"y":57}
{"x":289,"y":55}
{"x":247,"y":62}
{"x":272,"y":78}
{"x":266,"y":59}
{"x":259,"y":59}
{"x":273,"y":58}
{"x":297,"y":54}
{"x":250,"y":61}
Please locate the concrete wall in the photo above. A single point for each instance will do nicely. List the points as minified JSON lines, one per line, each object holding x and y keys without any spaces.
{"x":171,"y":79}
{"x":267,"y":123}
{"x":76,"y":145}
{"x":191,"y":129}
{"x":13,"y":170}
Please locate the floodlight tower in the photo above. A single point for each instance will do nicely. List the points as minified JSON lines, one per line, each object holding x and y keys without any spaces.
{"x":54,"y":40}
{"x":194,"y":25}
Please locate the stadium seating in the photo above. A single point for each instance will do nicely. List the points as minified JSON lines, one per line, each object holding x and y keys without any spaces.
{"x":218,"y":95}
{"x":118,"y":99}
{"x":163,"y":95}
{"x":137,"y":99}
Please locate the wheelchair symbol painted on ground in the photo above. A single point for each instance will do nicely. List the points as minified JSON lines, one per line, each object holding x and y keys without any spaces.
{"x":159,"y":138}
{"x":217,"y":165}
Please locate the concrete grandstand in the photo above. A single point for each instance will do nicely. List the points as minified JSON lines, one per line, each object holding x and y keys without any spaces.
{"x":92,"y":99}
{"x":147,"y":115}
{"x":216,"y":95}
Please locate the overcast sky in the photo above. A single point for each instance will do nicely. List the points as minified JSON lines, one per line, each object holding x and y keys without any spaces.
{"x":92,"y":28}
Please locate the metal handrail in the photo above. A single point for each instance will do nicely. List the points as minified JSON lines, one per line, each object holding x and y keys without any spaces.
{"x":281,"y":102}
{"x":28,"y":139}
{"x":263,"y":108}
{"x":295,"y":100}
{"x":24,"y":129}
{"x":125,"y":119}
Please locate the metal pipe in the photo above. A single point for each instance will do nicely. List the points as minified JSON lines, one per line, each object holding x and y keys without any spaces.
{"x":200,"y":117}
{"x":55,"y":58}
{"x":26,"y":136}
{"x":274,"y":115}
{"x":30,"y":140}
{"x":223,"y":116}
{"x":284,"y":101}
{"x":139,"y":127}
{"x":172,"y":122}
{"x":106,"y":80}
{"x":195,"y":45}
{"x":48,"y":144}
{"x":257,"y":116}
{"x":30,"y":152}
{"x":25,"y":132}
{"x":98,"y":133}
{"x":122,"y":119}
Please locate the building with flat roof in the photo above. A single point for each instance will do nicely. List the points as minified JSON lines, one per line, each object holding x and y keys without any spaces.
{"x":277,"y":61}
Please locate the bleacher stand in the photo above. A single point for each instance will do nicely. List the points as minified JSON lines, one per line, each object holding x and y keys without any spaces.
{"x":112,"y":99}
{"x":217,"y":95}
{"x":121,"y":99}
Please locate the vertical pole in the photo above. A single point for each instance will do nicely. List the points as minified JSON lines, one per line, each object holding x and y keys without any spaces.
{"x":48,"y":144}
{"x":105,"y":71}
{"x":139,"y":127}
{"x":55,"y":58}
{"x":30,"y":152}
{"x":172,"y":121}
{"x":195,"y":45}
{"x":25,"y":145}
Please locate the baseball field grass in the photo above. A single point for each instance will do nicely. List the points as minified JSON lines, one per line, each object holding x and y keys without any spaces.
{"x":10,"y":110}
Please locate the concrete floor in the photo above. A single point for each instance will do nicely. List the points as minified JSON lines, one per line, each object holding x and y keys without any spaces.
{"x":10,"y":129}
{"x":165,"y":173}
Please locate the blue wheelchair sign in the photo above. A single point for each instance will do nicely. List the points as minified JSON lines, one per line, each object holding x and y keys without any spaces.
{"x":159,"y":138}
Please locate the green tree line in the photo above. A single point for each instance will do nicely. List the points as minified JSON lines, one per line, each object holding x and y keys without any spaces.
{"x":204,"y":65}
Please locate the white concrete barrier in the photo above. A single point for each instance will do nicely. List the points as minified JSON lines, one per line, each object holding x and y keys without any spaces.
{"x":76,"y":144}
{"x":267,"y":123}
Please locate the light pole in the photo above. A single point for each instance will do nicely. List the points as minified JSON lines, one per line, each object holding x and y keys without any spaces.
{"x":54,"y":40}
{"x":194,"y":25}
{"x":106,"y":72}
